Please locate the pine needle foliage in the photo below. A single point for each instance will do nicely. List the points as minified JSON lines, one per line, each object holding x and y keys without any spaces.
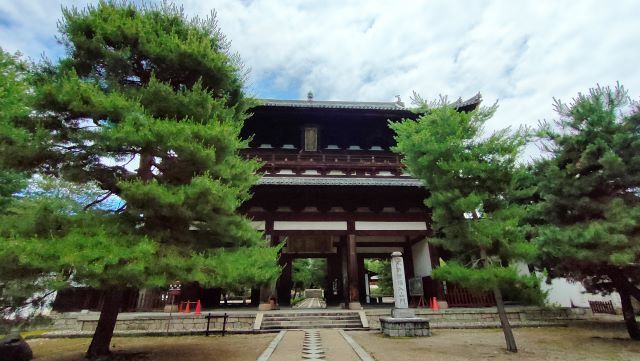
{"x":470,"y":176}
{"x":147,"y":105}
{"x":589,"y":183}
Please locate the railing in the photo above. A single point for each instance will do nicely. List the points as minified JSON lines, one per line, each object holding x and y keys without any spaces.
{"x":602,"y":307}
{"x":457,"y":296}
{"x":358,"y":162}
{"x":224,"y":323}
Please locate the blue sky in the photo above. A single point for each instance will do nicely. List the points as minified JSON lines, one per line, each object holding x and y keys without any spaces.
{"x":520,"y":53}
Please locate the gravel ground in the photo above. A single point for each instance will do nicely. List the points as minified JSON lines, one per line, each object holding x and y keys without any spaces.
{"x":187,"y":348}
{"x":572,"y":343}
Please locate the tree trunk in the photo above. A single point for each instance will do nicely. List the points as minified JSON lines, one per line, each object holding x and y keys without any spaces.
{"x":502,"y":313}
{"x":104,"y":332}
{"x":629,"y":315}
{"x":626,"y":289}
{"x":504,"y":321}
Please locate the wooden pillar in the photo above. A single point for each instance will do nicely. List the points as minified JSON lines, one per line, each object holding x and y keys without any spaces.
{"x":352,"y":269}
{"x":255,"y":296}
{"x":344,"y":274}
{"x":407,"y":257}
{"x":285,"y":282}
{"x":435,"y":262}
{"x":333,"y":286}
{"x":363,"y":285}
{"x":211,"y":297}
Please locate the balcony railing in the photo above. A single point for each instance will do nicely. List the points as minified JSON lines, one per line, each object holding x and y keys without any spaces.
{"x":348,"y":162}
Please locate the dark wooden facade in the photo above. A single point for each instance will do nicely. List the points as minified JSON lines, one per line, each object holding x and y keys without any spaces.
{"x":332,"y":188}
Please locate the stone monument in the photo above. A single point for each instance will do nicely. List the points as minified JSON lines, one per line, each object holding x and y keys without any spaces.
{"x":403,"y":320}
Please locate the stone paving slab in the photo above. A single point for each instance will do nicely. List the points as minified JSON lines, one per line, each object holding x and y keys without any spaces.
{"x":328,"y":345}
{"x":290,"y":348}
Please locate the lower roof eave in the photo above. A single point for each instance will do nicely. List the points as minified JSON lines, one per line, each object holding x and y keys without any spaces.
{"x":340,"y":181}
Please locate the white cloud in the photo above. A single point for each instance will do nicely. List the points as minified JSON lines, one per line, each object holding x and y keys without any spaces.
{"x":520,"y":53}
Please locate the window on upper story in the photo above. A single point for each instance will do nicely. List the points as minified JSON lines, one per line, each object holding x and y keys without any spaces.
{"x":311,"y":139}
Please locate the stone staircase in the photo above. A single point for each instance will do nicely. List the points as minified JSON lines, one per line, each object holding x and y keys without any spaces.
{"x":306,"y":320}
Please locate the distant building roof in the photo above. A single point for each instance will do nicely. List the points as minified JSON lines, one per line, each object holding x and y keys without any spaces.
{"x":332,"y":104}
{"x":340,"y":181}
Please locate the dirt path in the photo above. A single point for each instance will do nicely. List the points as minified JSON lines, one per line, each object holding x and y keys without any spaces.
{"x":562,"y":344}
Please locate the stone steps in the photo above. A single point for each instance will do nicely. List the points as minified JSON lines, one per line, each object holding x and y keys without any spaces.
{"x":311,"y":318}
{"x":307,"y":320}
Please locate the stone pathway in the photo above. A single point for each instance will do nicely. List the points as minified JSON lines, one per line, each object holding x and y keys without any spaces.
{"x":311,"y":303}
{"x":314,"y":344}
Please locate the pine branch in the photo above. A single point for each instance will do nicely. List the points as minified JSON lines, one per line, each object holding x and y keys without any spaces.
{"x":98,"y":200}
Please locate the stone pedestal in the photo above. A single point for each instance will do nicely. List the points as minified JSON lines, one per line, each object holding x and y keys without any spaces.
{"x":403,"y":320}
{"x":405,"y":327}
{"x":403,"y":313}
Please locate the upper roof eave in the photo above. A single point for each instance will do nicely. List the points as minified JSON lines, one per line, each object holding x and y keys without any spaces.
{"x":332,"y":104}
{"x":473,"y":102}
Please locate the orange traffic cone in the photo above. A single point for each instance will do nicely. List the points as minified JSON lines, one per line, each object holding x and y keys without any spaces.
{"x":188,"y":308}
{"x":179,"y":306}
{"x":436,"y":307}
{"x":198,"y":308}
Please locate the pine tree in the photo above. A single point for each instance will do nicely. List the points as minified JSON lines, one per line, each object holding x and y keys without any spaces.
{"x":15,"y":103}
{"x":589,"y":187}
{"x":470,"y":177}
{"x":147,"y":106}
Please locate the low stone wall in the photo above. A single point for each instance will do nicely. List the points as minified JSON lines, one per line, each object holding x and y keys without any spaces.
{"x":155,"y":321}
{"x":487,"y":317}
{"x":243,"y":321}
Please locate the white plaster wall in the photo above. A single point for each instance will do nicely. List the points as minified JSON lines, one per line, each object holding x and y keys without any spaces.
{"x":390,"y":226}
{"x":421,"y":259}
{"x":563,"y":292}
{"x":309,"y":226}
{"x":523,"y":268}
{"x":259,"y":225}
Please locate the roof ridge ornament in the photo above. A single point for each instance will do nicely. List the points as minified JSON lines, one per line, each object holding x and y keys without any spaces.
{"x":310,"y":96}
{"x":399,"y":101}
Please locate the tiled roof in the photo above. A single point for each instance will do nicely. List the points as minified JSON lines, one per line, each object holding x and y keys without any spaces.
{"x":333,"y":104}
{"x":339,"y":181}
{"x":474,"y":100}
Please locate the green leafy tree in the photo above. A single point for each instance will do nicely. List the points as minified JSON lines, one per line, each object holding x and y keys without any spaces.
{"x":382,"y":268}
{"x":470,"y":176}
{"x":590,"y":186}
{"x":309,"y":273}
{"x":147,"y":106}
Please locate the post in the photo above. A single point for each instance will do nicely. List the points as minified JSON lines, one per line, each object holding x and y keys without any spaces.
{"x":352,"y":268}
{"x":206,"y":333}
{"x":400,"y":295}
{"x":224,"y":324}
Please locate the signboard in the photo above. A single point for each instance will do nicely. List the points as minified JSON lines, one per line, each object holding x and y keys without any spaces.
{"x":415,"y":286}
